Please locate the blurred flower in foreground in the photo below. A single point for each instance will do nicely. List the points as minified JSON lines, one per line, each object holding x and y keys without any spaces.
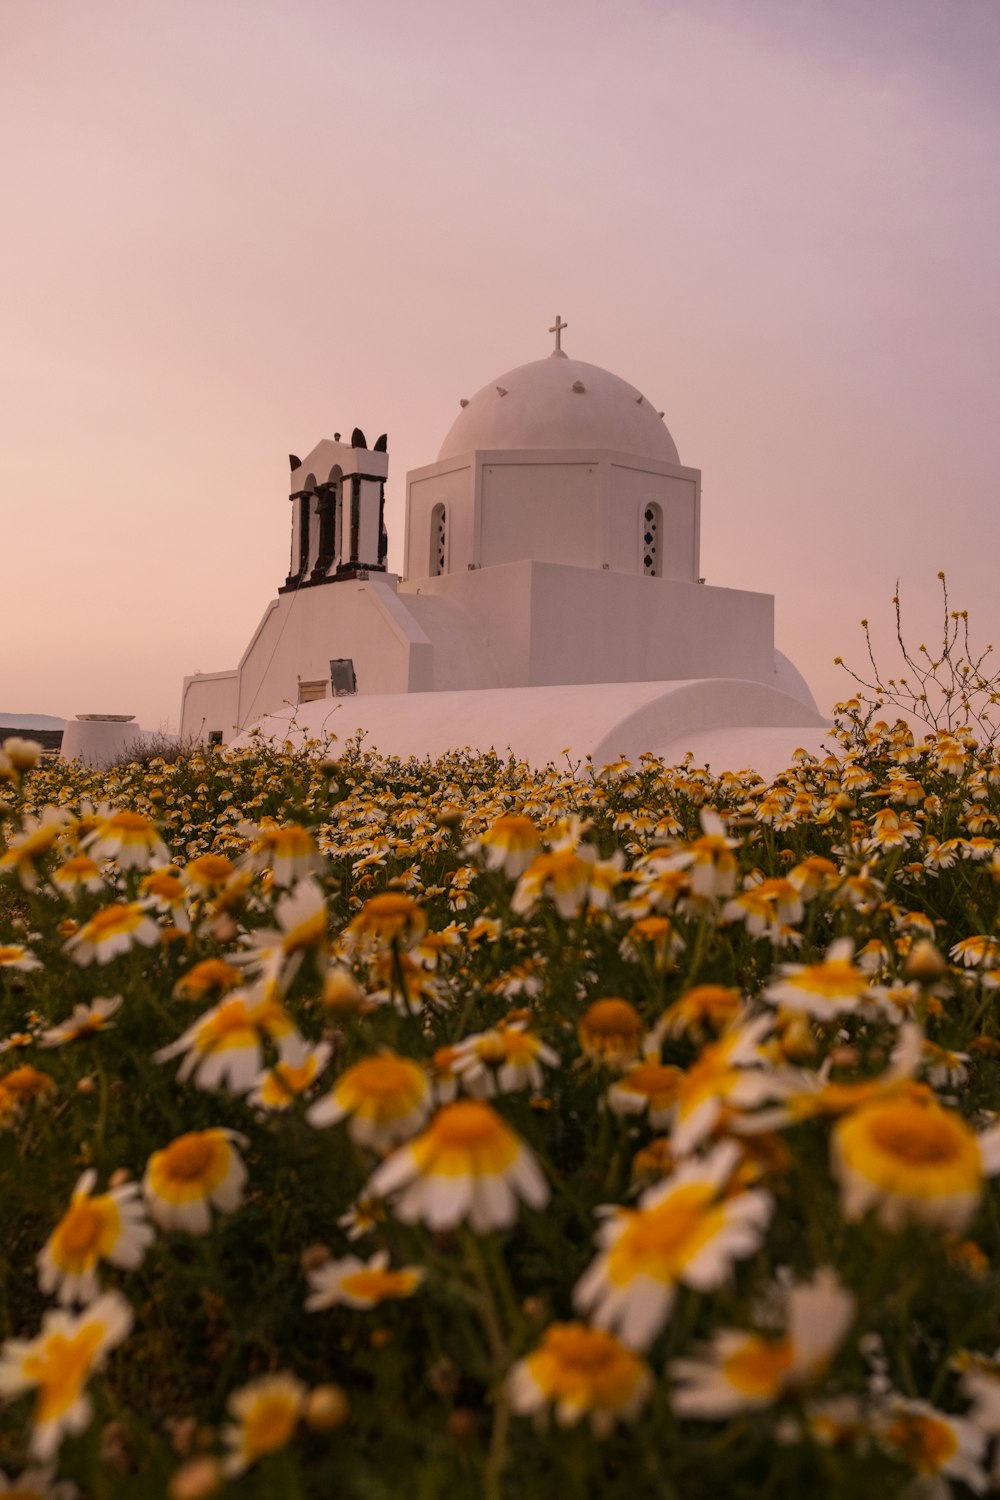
{"x":85,"y":1021}
{"x":109,"y":1226}
{"x":740,"y":1371}
{"x":610,"y":1031}
{"x":392,"y":919}
{"x":467,"y":1164}
{"x":936,"y":1445}
{"x":825,"y":990}
{"x":361,"y":1284}
{"x":195,"y":1172}
{"x":386,"y":1097}
{"x":129,"y":838}
{"x":511,"y":844}
{"x":912,"y":1161}
{"x":582,"y":1372}
{"x":224,"y":1047}
{"x":58,"y":1363}
{"x":111,"y":931}
{"x":37,"y":838}
{"x":683,"y":1231}
{"x":267,"y":1412}
{"x":16,"y":956}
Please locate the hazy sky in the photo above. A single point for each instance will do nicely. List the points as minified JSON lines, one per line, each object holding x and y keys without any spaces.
{"x":233,"y":227}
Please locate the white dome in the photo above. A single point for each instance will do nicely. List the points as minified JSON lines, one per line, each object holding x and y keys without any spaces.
{"x":545,"y":407}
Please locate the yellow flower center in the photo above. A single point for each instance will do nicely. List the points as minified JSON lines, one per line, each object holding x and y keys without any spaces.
{"x":834,"y":979}
{"x":382,"y":1085}
{"x":372,"y":1285}
{"x":127,"y":823}
{"x":188,"y":1157}
{"x":585,"y":1366}
{"x":610,"y":1026}
{"x":111,"y":920}
{"x":270,"y":1424}
{"x":909,"y":1147}
{"x":87,"y":1230}
{"x":926,"y":1442}
{"x":758,"y":1367}
{"x":661,"y":1241}
{"x":466,"y":1138}
{"x":655,"y":1080}
{"x":60,"y":1368}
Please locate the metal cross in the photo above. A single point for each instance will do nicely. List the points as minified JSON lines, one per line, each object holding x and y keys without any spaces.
{"x":557,"y":329}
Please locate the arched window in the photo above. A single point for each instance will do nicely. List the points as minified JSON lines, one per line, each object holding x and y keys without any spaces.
{"x":652,"y":536}
{"x":439,"y":540}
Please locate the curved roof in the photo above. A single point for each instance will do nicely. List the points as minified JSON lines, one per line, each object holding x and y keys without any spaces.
{"x":560,"y":403}
{"x":732,"y":722}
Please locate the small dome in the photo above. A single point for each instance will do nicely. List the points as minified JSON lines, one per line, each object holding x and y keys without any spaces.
{"x":560,"y":403}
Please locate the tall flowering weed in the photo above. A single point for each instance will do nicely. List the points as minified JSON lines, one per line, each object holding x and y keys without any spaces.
{"x":628,"y":1128}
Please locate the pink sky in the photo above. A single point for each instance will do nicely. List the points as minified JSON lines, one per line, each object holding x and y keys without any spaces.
{"x":234,"y":227}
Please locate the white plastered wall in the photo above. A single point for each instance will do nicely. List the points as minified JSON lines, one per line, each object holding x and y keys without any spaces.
{"x":451,"y":484}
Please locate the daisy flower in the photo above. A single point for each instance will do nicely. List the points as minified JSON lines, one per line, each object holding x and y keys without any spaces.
{"x":23,"y":754}
{"x":76,"y":874}
{"x":302,"y":924}
{"x":208,"y":975}
{"x":706,"y":1006}
{"x":300,"y":1065}
{"x":912,"y":1161}
{"x":571,"y":879}
{"x":207,"y":873}
{"x":58,"y":1362}
{"x":196,"y":1172}
{"x":610,"y":1031}
{"x":86,"y":1020}
{"x":386,"y":1097}
{"x":467,"y":1164}
{"x":391,"y":920}
{"x":725,"y":1075}
{"x":38,"y":837}
{"x":709,"y":860}
{"x":831,"y":988}
{"x":267,"y":1412}
{"x":361,"y":1284}
{"x":130,"y":839}
{"x":110,"y":1226}
{"x":684,"y":1231}
{"x":111,"y":931}
{"x":507,"y":1058}
{"x":648,"y":1088}
{"x":580,"y":1371}
{"x":742,"y":1371}
{"x":16,"y":956}
{"x":289,"y":852}
{"x":511,"y":844}
{"x":936,"y":1445}
{"x":224,"y":1047}
{"x":163,"y":891}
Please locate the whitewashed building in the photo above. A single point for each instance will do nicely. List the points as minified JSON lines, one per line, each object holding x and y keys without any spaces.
{"x":551,"y":596}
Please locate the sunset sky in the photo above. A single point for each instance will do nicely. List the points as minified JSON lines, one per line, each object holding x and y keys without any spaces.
{"x":233,"y":227}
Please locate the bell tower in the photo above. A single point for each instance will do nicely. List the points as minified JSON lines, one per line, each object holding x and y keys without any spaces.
{"x":338,"y":512}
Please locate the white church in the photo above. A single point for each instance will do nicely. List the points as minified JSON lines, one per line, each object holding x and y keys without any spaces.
{"x":551,"y":598}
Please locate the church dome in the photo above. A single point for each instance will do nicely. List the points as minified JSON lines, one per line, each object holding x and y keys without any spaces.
{"x":560,"y":403}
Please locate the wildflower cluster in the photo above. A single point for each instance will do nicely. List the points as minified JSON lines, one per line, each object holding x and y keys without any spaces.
{"x":624,"y":1127}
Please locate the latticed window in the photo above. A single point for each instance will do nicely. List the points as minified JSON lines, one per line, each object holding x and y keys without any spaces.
{"x":652,"y":519}
{"x":439,"y":540}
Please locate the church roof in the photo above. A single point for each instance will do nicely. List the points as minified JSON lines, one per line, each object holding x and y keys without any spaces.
{"x":560,"y":403}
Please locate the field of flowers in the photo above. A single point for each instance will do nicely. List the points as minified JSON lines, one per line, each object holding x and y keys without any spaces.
{"x":461,"y":1129}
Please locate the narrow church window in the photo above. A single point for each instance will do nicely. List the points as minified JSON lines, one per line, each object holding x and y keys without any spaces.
{"x":652,"y":518}
{"x":439,"y":540}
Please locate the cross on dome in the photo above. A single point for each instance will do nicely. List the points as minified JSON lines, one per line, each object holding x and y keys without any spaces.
{"x":557,"y":329}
